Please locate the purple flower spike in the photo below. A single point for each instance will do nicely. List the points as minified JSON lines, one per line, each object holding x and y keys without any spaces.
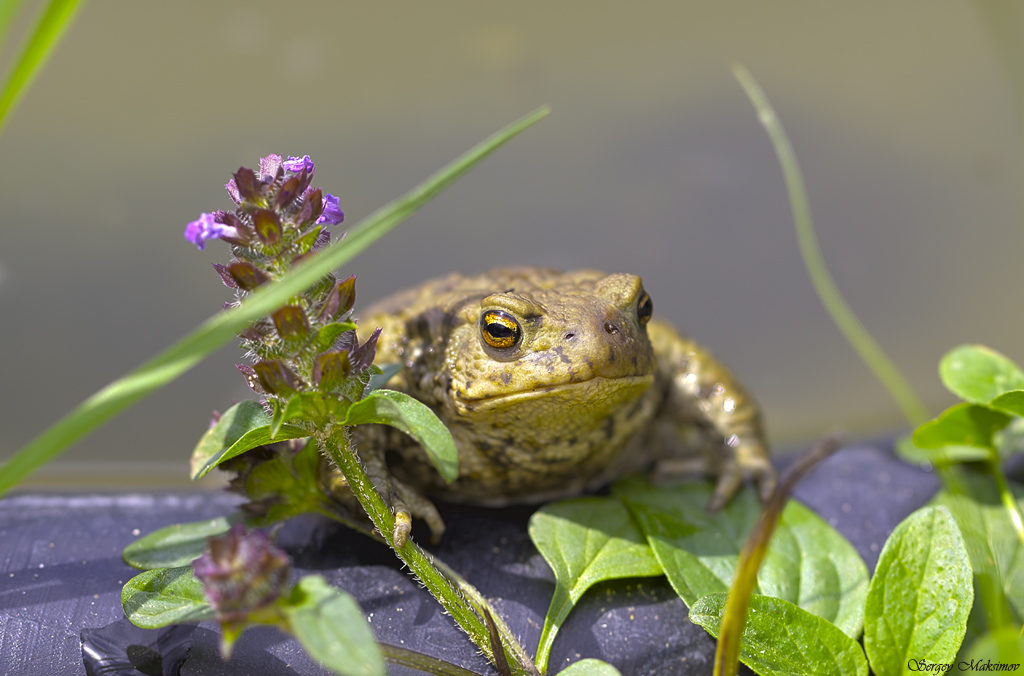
{"x":297,"y":164}
{"x":205,"y":228}
{"x":269,"y":166}
{"x":332,"y":214}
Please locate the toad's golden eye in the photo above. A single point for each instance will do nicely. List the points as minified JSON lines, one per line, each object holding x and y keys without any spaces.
{"x":644,"y":308}
{"x":500,"y":330}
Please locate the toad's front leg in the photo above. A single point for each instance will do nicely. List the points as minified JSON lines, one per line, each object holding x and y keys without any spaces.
{"x":702,"y":396}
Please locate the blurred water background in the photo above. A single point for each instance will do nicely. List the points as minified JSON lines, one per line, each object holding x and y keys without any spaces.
{"x":906,"y":118}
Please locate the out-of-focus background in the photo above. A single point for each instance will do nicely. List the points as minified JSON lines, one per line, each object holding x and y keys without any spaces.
{"x":904,"y":116}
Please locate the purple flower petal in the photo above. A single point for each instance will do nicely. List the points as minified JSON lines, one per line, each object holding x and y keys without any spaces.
{"x":232,"y":189}
{"x":269,"y":166}
{"x":204,"y":228}
{"x":297,"y":164}
{"x":332,"y":214}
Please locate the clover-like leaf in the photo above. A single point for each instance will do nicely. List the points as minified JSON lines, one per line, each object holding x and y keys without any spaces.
{"x":783,"y":639}
{"x":590,"y":667}
{"x":332,"y":628}
{"x":586,"y":541}
{"x":962,"y":425}
{"x":242,"y":427}
{"x":399,"y":410}
{"x":1011,"y":402}
{"x":174,"y":546}
{"x":920,"y":595}
{"x":157,"y":598}
{"x":808,"y":563}
{"x":979,"y":374}
{"x":943,"y":455}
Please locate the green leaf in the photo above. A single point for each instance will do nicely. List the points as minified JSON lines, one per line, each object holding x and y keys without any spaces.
{"x":1011,"y":402}
{"x":331,"y":627}
{"x":920,"y":595}
{"x":808,"y":563}
{"x":315,"y":407}
{"x":979,"y":374}
{"x":326,"y":336}
{"x":399,"y":410}
{"x":1002,"y":647}
{"x":586,"y":541}
{"x":962,"y":425}
{"x":290,"y":484}
{"x":943,"y":455}
{"x":995,"y":551}
{"x":223,"y":326}
{"x":47,"y":34}
{"x":157,"y":598}
{"x":589,"y":667}
{"x":174,"y":546}
{"x":783,"y":639}
{"x":242,"y":427}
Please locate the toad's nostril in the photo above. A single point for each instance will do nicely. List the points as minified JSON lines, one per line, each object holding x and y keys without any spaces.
{"x":611,"y":328}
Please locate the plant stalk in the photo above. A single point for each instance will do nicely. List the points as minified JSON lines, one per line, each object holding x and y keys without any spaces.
{"x":334,"y":442}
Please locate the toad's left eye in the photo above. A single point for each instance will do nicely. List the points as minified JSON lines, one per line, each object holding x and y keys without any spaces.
{"x":500,"y":330}
{"x":644,"y":309}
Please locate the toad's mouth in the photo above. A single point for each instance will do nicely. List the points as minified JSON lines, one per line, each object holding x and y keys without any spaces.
{"x":597,"y":390}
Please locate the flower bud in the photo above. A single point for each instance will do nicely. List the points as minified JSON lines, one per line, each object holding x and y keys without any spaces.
{"x":246,"y":275}
{"x":362,"y":356}
{"x":241,"y":573}
{"x":276,"y":378}
{"x":291,"y":322}
{"x":330,"y":369}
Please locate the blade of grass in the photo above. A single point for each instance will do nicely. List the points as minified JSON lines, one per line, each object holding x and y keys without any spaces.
{"x":222,"y":327}
{"x":854,"y":332}
{"x":52,"y":23}
{"x":727,"y":653}
{"x":8,"y":10}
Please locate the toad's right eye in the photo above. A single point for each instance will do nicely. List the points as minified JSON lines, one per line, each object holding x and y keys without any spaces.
{"x":500,"y":330}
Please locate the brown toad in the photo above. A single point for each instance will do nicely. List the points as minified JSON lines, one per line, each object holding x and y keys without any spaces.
{"x":552,"y":383}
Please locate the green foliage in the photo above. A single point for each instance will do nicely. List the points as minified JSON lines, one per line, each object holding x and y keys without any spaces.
{"x":174,"y":546}
{"x":241,"y":428}
{"x":586,"y":541}
{"x":157,"y":598}
{"x":808,"y":563}
{"x":331,"y":627}
{"x":996,"y":555}
{"x":920,"y":595}
{"x":399,"y":410}
{"x":783,"y":639}
{"x":970,"y":425}
{"x":53,"y":21}
{"x":589,"y":667}
{"x":979,"y":374}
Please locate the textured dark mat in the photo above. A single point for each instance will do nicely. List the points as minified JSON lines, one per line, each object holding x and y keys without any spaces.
{"x":61,"y":575}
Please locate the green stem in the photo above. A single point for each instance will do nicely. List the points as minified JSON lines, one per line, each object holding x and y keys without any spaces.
{"x":477,"y":599}
{"x":334,"y":442}
{"x":854,"y":332}
{"x":425,"y":663}
{"x":1006,"y":495}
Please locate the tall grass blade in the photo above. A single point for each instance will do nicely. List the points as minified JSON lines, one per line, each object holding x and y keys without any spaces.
{"x":854,"y":332}
{"x":223,"y":326}
{"x":54,"y":20}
